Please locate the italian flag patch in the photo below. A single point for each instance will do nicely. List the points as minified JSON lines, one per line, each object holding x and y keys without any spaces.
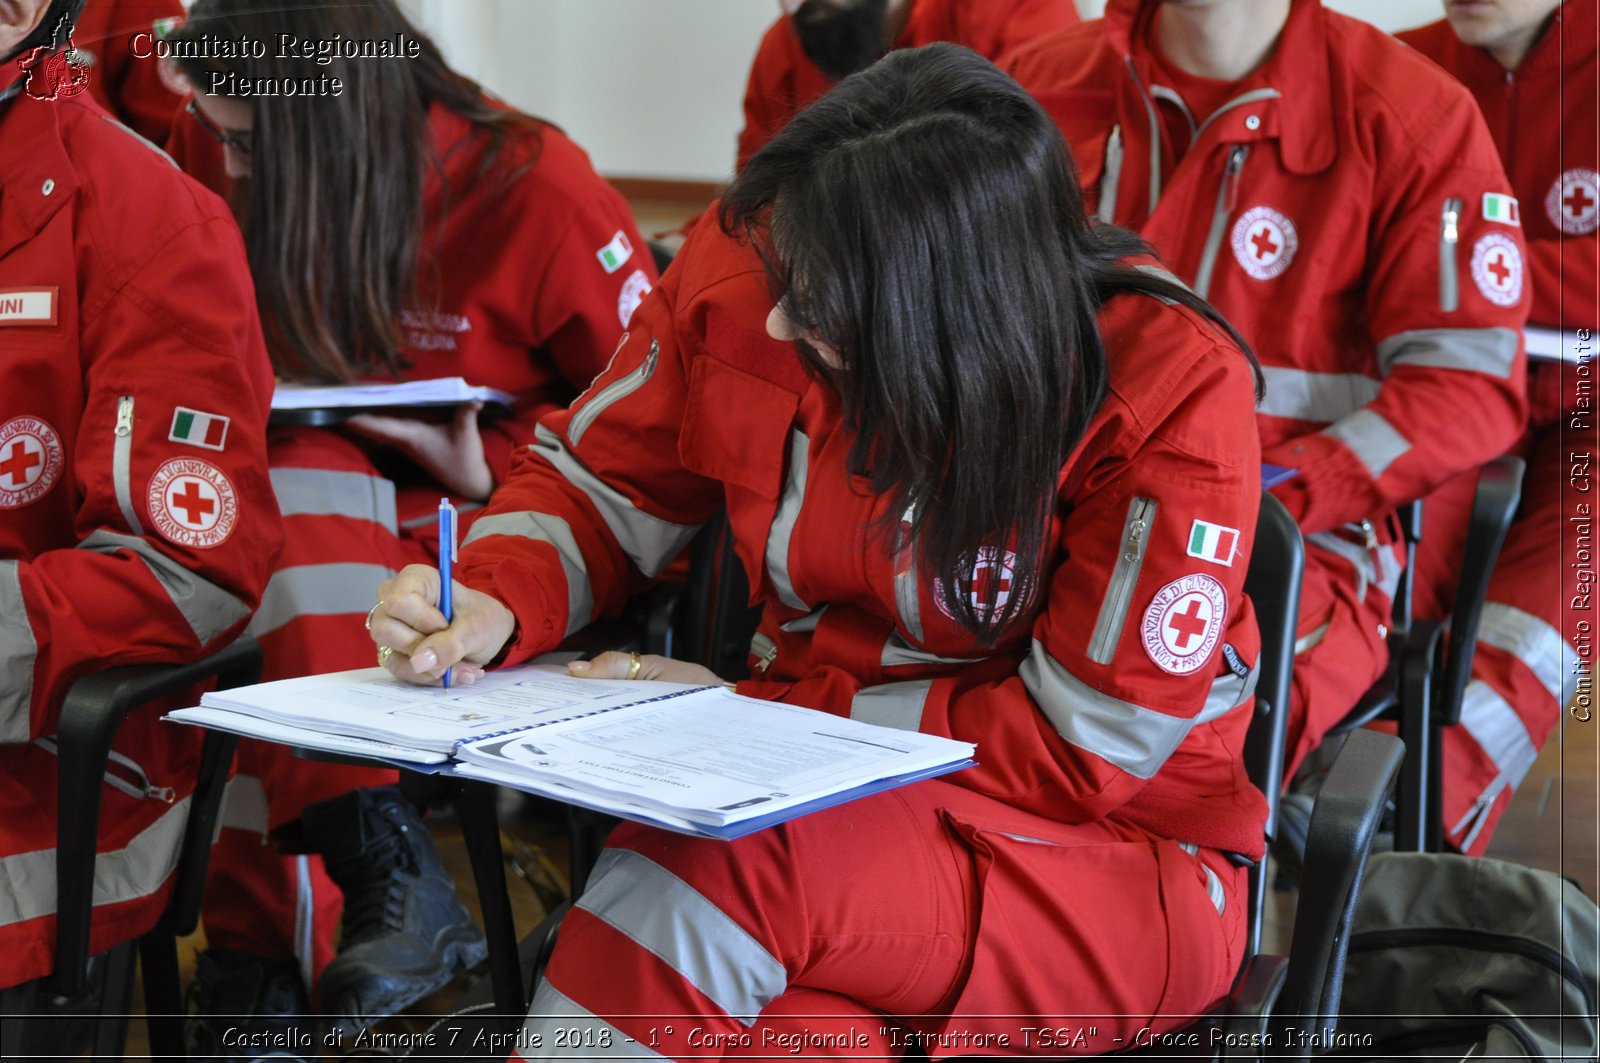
{"x":1502,"y":209}
{"x":616,"y":253}
{"x":199,"y":429}
{"x":1213,"y":542}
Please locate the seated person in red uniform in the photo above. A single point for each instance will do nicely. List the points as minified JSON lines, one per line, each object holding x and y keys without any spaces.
{"x":1534,"y":68}
{"x":942,"y":410}
{"x":1312,"y":178}
{"x":126,"y":318}
{"x":408,"y":227}
{"x":817,"y":42}
{"x":114,"y":39}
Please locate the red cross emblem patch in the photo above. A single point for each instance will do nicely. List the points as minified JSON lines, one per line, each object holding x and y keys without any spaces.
{"x":1264,"y":241}
{"x":992,"y":573}
{"x":192,"y":503}
{"x":1183,"y":623}
{"x":31,"y":460}
{"x":1573,"y":202}
{"x":1497,"y":268}
{"x":634,"y":289}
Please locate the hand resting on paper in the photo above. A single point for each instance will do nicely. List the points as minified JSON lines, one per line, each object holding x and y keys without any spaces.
{"x":407,"y":618}
{"x":452,"y":453}
{"x":615,"y":664}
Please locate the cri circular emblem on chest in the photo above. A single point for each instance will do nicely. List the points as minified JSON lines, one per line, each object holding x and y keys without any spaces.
{"x":1497,"y":268}
{"x":634,"y":289}
{"x":192,"y":503}
{"x":991,"y":570}
{"x":1574,"y":202}
{"x":31,"y":460}
{"x":1264,"y":242}
{"x":1183,"y":623}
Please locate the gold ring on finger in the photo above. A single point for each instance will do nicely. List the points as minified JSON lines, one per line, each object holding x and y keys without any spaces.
{"x":384,"y":653}
{"x":633,"y":666}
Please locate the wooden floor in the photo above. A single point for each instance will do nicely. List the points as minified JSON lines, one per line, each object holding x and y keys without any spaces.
{"x":1551,"y":822}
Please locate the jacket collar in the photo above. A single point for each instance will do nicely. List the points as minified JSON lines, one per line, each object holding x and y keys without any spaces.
{"x":1567,"y":42}
{"x":36,"y":183}
{"x":1300,"y":116}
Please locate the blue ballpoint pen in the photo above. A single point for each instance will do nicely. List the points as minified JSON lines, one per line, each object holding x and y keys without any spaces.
{"x":447,"y":560}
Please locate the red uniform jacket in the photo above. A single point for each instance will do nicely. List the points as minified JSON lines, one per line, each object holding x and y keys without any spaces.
{"x":1124,"y":699}
{"x":1545,"y":121}
{"x":784,"y":80}
{"x":1333,"y":211}
{"x":136,"y":517}
{"x":128,"y":85}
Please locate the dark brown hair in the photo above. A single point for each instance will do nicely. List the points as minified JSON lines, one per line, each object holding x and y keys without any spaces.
{"x":332,"y":214}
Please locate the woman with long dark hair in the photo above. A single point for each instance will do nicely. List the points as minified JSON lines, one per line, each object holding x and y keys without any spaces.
{"x":400,"y":225}
{"x":990,"y":470}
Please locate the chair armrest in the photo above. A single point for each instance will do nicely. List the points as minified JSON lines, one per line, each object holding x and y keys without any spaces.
{"x":1250,"y":1005}
{"x":1343,"y":822}
{"x":91,"y":713}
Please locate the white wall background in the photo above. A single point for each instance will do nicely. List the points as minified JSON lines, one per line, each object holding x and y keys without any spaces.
{"x":652,"y":88}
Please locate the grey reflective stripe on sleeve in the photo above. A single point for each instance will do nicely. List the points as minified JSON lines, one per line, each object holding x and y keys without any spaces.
{"x":208,"y":609}
{"x":650,"y":542}
{"x":897,"y":651}
{"x":1373,"y":440}
{"x":778,"y":539}
{"x":1498,"y":730}
{"x":1492,"y":351}
{"x":542,"y":527}
{"x":324,"y":492}
{"x":18,"y":649}
{"x":668,"y":917}
{"x":1107,"y":210}
{"x":244,"y":805}
{"x":805,"y":623}
{"x":1127,"y":736}
{"x":28,"y":880}
{"x":1170,"y":278}
{"x":333,"y":589}
{"x":897,"y":705}
{"x":1534,"y":643}
{"x":1368,"y":571}
{"x":1320,"y":397}
{"x":552,"y":1011}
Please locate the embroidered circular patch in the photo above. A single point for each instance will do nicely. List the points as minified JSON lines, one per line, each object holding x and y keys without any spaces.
{"x":1573,"y":202}
{"x":1183,"y":623}
{"x":31,"y":460}
{"x":634,"y":289}
{"x":192,"y":503}
{"x":1497,"y":268}
{"x":1264,"y":242}
{"x":991,"y":569}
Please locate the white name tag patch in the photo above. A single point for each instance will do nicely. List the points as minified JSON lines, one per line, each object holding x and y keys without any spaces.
{"x":28,"y":306}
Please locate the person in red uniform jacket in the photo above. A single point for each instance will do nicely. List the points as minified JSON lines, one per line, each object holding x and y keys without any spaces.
{"x":1534,"y":68}
{"x":406,"y":228}
{"x":907,"y":465}
{"x":1313,"y":179}
{"x":114,"y":38}
{"x":136,"y":523}
{"x":817,"y":42}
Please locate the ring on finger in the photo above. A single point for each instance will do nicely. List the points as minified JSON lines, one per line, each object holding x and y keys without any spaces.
{"x":384,"y":653}
{"x":633,"y":666}
{"x":372,"y":613}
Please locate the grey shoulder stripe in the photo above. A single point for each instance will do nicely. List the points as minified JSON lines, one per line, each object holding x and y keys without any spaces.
{"x":18,"y":651}
{"x":670,"y":918}
{"x":544,"y":528}
{"x":208,"y":609}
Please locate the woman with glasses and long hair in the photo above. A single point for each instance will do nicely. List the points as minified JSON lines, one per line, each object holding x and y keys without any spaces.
{"x":403,"y":227}
{"x":989,"y":469}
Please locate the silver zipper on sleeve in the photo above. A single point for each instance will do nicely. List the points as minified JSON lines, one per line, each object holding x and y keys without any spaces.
{"x":1219,"y":218}
{"x":1107,"y":210}
{"x":1449,"y":235}
{"x":764,"y":650}
{"x":138,"y":788}
{"x":121,"y":461}
{"x":620,"y":388}
{"x":1124,"y":577}
{"x":907,"y":595}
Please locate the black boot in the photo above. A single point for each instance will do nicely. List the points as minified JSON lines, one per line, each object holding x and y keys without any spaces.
{"x":243,"y":1006}
{"x":404,"y":933}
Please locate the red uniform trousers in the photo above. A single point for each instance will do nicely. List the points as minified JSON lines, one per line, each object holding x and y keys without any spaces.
{"x":348,"y":529}
{"x":803,"y":938}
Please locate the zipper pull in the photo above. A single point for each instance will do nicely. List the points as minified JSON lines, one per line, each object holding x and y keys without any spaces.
{"x":767,"y":658}
{"x":1235,"y":165}
{"x":1370,"y":533}
{"x":1452,"y":216}
{"x":125,"y":415}
{"x":1135,"y":545}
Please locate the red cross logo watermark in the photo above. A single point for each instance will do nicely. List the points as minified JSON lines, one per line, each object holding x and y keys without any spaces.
{"x":993,"y":573}
{"x":1573,"y":202}
{"x":54,"y":72}
{"x":1183,"y":623}
{"x":31,"y":460}
{"x":1497,"y":268}
{"x":192,"y":503}
{"x":1264,"y":242}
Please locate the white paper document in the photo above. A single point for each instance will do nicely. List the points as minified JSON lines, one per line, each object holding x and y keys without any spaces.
{"x":444,"y":391}
{"x":1556,"y":345}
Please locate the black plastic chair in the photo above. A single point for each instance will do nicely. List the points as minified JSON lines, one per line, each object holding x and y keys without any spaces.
{"x":92,"y":712}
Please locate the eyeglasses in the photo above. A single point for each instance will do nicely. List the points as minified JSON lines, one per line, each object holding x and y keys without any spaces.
{"x":238,"y":141}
